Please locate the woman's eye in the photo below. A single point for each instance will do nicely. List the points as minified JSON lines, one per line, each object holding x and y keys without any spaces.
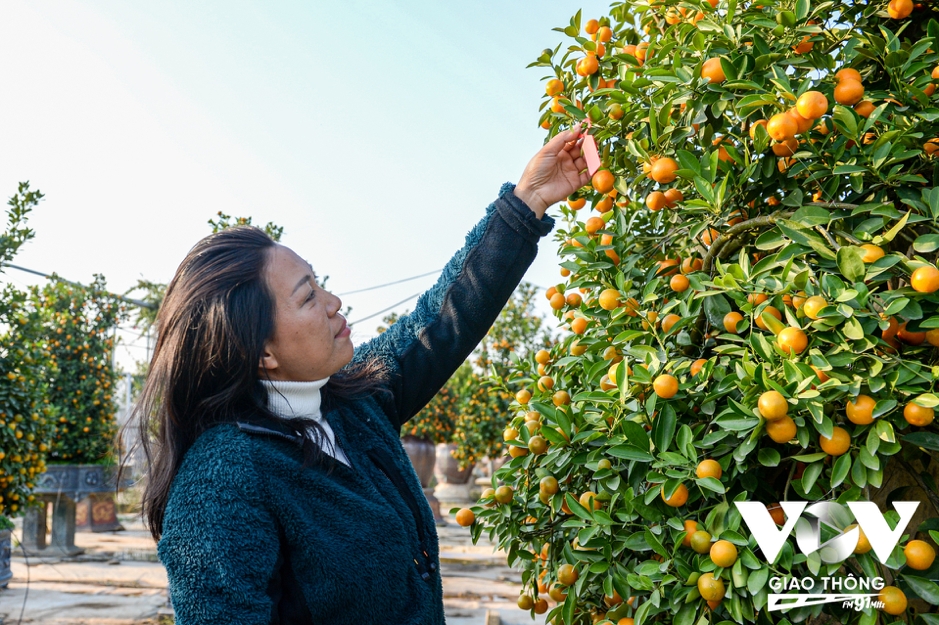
{"x":310,"y":296}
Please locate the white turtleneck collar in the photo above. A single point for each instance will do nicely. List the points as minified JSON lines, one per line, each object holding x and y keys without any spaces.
{"x":295,"y":399}
{"x":302,"y":399}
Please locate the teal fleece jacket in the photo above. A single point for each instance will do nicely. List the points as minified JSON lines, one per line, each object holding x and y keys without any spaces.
{"x":250,"y":537}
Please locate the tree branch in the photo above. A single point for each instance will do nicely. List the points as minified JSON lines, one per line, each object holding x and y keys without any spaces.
{"x":750,"y":224}
{"x":716,"y":249}
{"x":828,"y":238}
{"x":834,"y":205}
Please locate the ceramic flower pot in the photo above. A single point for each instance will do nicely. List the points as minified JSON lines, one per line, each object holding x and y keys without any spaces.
{"x":423,"y":457}
{"x":448,"y":468}
{"x":6,"y":573}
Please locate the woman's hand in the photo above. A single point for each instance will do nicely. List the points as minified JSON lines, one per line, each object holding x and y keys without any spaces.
{"x":556,"y":171}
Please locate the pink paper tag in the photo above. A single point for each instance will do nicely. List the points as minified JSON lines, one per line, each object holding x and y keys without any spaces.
{"x":591,"y":156}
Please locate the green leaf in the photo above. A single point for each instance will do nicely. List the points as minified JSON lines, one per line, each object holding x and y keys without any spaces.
{"x":663,"y":429}
{"x":888,"y":236}
{"x":716,"y":307}
{"x":686,"y":615}
{"x":714,"y":523}
{"x":759,"y":343}
{"x":851,"y":263}
{"x":869,"y":618}
{"x":896,"y":305}
{"x":858,"y":474}
{"x":655,"y":543}
{"x":576,"y":508}
{"x":853,"y":329}
{"x":807,"y":458}
{"x":794,"y":198}
{"x":641,"y":613}
{"x":637,"y":542}
{"x":710,"y":483}
{"x":729,"y":70}
{"x":839,"y":470}
{"x":757,"y":580}
{"x":750,"y":103}
{"x":810,"y":216}
{"x":929,"y":324}
{"x":570,"y":606}
{"x":630,"y":452}
{"x":687,"y":160}
{"x":802,"y":9}
{"x":705,"y":190}
{"x":868,"y":460}
{"x":926,"y":440}
{"x":635,"y":433}
{"x":810,"y":476}
{"x":931,"y":197}
{"x":804,"y":236}
{"x":927,"y":400}
{"x":885,"y":431}
{"x":873,"y":442}
{"x":771,"y":239}
{"x":575,"y":112}
{"x":841,"y":170}
{"x":653,"y":128}
{"x":926,"y":243}
{"x":926,"y":589}
{"x":553,"y":436}
{"x":845,"y":122}
{"x":768,"y":457}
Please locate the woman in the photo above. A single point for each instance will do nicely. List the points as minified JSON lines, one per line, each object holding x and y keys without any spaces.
{"x":278,"y":488}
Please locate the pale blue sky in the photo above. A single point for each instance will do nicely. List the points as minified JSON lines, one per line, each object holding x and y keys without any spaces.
{"x":375,"y":133}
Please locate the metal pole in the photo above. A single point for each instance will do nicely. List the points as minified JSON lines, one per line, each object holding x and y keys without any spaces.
{"x":128,"y":380}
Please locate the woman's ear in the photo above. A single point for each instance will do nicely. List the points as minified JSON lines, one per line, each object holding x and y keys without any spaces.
{"x":268,"y":360}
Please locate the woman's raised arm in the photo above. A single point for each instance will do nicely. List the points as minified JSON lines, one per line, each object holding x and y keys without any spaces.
{"x":424,"y":348}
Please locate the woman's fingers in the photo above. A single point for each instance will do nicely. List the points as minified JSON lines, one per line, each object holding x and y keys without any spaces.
{"x":574,"y":146}
{"x":560,"y":140}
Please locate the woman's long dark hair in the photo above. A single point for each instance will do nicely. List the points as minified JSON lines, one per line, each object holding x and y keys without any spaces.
{"x":215,"y":318}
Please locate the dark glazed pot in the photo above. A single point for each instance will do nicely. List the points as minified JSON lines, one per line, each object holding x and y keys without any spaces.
{"x":6,"y":573}
{"x":448,"y":467}
{"x":423,"y":457}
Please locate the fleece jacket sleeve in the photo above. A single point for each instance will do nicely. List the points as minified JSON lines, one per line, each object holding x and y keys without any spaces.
{"x":220,"y":544}
{"x":424,"y":348}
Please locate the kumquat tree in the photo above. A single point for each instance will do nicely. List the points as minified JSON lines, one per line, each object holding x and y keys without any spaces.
{"x":78,"y":327}
{"x":518,"y":332}
{"x":752,"y":298}
{"x":26,"y":418}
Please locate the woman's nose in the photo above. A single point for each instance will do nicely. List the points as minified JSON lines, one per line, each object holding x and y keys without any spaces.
{"x":335,"y":304}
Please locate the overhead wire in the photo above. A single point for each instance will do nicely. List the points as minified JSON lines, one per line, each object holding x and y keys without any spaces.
{"x":379,"y":286}
{"x":363,"y":290}
{"x":129,"y":300}
{"x":384,"y":310}
{"x":407,"y":299}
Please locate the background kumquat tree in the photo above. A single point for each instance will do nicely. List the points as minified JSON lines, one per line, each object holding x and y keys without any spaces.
{"x":78,"y":325}
{"x":470,"y":410}
{"x":751,"y":296}
{"x":435,"y":421}
{"x":26,"y":418}
{"x":518,"y":332}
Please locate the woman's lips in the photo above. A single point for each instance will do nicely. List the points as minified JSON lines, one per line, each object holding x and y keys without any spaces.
{"x":344,"y":332}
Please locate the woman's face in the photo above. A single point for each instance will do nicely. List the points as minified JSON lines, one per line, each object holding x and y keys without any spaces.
{"x":311,"y":339}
